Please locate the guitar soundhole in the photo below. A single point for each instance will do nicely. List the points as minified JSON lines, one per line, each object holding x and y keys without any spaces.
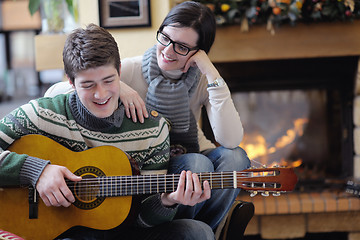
{"x":87,"y":191}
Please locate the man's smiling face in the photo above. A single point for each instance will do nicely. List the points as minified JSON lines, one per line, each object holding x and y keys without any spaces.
{"x":98,"y":90}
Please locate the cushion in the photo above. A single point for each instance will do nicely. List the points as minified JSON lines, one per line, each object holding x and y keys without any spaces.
{"x":4,"y":235}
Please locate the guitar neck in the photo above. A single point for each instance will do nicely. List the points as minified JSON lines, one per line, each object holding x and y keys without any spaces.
{"x":112,"y":186}
{"x":146,"y":184}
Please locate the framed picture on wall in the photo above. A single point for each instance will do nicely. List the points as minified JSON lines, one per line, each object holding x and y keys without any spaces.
{"x":124,"y":13}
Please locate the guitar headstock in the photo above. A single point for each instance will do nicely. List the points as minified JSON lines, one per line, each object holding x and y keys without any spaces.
{"x":353,"y":187}
{"x":265,"y":180}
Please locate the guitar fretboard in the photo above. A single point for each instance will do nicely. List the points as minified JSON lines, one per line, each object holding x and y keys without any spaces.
{"x":113,"y":186}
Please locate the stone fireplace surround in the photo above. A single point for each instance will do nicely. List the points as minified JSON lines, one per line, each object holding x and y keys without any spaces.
{"x":292,"y":215}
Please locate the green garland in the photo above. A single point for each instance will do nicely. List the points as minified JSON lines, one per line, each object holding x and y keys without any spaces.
{"x":277,"y":12}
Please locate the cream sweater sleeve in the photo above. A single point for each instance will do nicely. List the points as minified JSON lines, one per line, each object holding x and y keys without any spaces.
{"x":223,"y":116}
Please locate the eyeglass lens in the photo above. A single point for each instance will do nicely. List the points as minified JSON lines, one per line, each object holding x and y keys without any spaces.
{"x":178,"y":48}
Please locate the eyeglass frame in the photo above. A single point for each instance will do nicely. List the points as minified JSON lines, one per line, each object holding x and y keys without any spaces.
{"x":173,"y":44}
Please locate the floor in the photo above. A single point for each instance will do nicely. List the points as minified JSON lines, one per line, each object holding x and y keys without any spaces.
{"x":19,"y":96}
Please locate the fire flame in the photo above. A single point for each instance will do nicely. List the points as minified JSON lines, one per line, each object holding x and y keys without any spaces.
{"x":259,"y":147}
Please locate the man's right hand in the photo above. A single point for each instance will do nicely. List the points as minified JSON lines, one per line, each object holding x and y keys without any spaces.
{"x":52,"y":187}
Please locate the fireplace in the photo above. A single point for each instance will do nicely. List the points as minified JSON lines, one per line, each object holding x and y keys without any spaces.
{"x":313,"y":68}
{"x":297,"y":113}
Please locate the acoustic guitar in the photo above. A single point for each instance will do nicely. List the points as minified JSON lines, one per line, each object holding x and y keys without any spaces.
{"x":104,"y":195}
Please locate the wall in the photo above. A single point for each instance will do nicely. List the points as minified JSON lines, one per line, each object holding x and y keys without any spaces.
{"x":131,"y":41}
{"x":357,"y":126}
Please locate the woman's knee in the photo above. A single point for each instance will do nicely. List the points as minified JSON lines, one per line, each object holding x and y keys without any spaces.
{"x":230,"y":159}
{"x":241,"y":160}
{"x":194,"y":162}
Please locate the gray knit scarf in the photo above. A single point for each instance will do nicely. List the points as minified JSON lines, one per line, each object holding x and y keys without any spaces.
{"x":171,"y":98}
{"x":89,"y":121}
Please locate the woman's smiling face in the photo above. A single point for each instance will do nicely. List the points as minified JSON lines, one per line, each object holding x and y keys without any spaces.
{"x":167,"y":58}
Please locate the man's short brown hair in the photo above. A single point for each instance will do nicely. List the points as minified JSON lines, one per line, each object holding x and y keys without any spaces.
{"x":89,"y":48}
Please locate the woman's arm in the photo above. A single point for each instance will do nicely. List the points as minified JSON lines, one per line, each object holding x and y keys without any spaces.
{"x":224,"y":119}
{"x":133,"y":88}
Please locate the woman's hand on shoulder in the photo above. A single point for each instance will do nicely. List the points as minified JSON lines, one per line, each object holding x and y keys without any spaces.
{"x":189,"y":191}
{"x":203,"y":62}
{"x":134,"y":105}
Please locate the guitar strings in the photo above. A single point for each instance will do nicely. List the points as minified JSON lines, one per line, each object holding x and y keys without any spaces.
{"x":139,"y":184}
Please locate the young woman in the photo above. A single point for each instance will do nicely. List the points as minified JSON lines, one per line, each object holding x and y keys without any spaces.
{"x":176,"y":78}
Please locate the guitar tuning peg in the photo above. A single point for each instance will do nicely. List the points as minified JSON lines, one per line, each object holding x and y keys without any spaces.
{"x":253,"y":193}
{"x":276,"y":194}
{"x":265,"y":194}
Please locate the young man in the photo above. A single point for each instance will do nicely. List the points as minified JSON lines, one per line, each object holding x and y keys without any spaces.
{"x":92,"y":116}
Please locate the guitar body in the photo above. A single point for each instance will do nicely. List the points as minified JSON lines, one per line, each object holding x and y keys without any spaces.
{"x":52,"y":221}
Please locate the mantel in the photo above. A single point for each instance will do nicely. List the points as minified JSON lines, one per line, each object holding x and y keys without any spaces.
{"x":289,"y":42}
{"x":231,"y":45}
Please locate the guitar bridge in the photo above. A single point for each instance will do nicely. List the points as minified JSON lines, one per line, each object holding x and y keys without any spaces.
{"x":33,"y":203}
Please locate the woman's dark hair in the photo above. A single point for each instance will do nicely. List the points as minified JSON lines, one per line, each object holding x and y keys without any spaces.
{"x":89,"y":48}
{"x":196,"y":16}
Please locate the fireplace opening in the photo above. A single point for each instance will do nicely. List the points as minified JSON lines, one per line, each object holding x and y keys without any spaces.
{"x":296,"y":113}
{"x":297,"y":128}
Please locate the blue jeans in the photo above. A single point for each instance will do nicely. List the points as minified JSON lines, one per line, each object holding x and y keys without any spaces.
{"x":181,"y":229}
{"x":220,"y":159}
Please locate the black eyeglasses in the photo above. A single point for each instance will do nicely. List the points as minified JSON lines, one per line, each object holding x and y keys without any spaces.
{"x":178,"y":47}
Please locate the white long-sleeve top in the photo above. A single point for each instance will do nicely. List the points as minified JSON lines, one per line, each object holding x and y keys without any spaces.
{"x":224,"y":119}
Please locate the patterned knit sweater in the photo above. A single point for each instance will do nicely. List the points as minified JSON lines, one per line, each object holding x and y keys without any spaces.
{"x":65,"y":120}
